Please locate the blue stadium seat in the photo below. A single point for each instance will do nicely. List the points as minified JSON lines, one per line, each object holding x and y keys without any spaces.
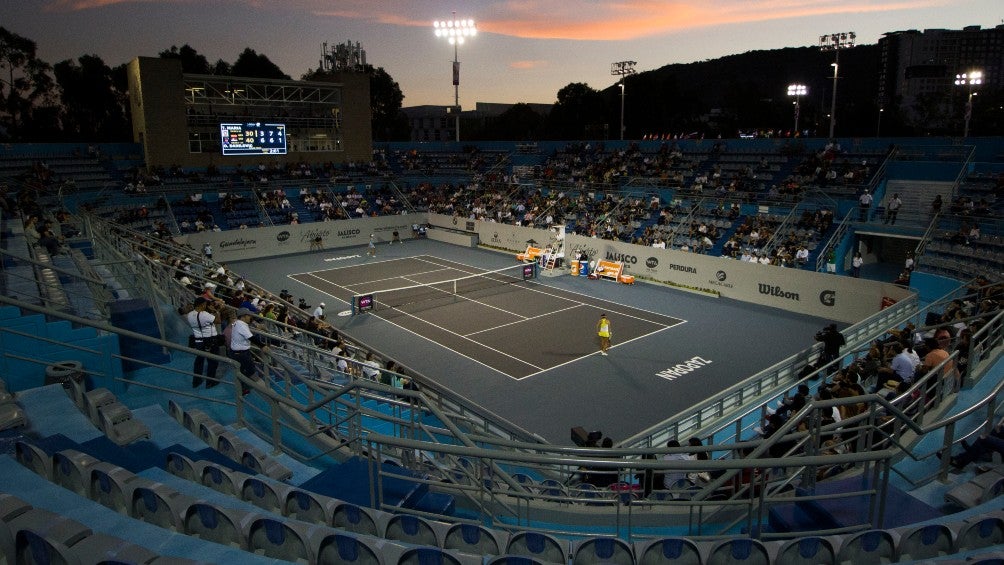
{"x":309,"y":507}
{"x":980,"y":532}
{"x":219,"y":525}
{"x":805,"y":551}
{"x":924,"y":542}
{"x":539,"y":546}
{"x":160,"y":505}
{"x":681,"y":551}
{"x":472,"y":538}
{"x":279,"y":539}
{"x":427,"y":556}
{"x":342,"y":548}
{"x":411,"y":529}
{"x":612,"y":551}
{"x":744,"y":550}
{"x":871,"y":546}
{"x":354,"y":519}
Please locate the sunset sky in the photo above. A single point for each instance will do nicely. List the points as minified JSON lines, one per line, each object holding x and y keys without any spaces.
{"x":525,"y":50}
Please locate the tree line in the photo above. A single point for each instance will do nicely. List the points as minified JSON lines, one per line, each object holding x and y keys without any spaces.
{"x":85,"y":99}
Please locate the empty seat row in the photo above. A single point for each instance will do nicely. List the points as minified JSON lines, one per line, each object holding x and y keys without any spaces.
{"x":34,"y":535}
{"x":228,"y":443}
{"x":105,"y":411}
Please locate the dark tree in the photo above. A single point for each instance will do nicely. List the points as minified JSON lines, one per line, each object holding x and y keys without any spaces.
{"x":518,"y":123}
{"x":191,"y":60}
{"x":25,"y":88}
{"x":578,"y":114}
{"x":251,"y":64}
{"x":93,"y":108}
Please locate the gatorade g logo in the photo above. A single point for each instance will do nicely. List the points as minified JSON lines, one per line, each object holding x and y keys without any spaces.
{"x":828,"y":297}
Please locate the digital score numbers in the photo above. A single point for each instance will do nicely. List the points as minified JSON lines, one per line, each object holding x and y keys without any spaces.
{"x":253,"y":138}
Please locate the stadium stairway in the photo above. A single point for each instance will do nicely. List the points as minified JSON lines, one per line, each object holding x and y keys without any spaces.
{"x":350,"y":481}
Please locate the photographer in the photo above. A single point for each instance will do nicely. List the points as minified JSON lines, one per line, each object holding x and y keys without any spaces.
{"x":832,"y":341}
{"x":203,"y":319}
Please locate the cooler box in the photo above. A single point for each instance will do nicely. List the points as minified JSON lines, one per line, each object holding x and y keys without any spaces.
{"x":626,"y":279}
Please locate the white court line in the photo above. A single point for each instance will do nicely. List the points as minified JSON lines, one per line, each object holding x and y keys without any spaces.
{"x":448,"y":293}
{"x":526,"y":319}
{"x":664,"y":328}
{"x":423,"y":320}
{"x":348,"y":266}
{"x":397,"y":277}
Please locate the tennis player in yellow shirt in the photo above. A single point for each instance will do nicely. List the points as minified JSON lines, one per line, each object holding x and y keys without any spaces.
{"x":603,"y":330}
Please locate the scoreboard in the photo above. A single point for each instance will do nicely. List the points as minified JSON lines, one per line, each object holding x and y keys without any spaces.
{"x":253,"y":138}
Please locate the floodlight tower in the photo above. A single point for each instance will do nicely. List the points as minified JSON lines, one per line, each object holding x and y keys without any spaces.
{"x":622,"y":69}
{"x":456,"y":33}
{"x":969,"y":80}
{"x":798,"y":91}
{"x":836,"y":42}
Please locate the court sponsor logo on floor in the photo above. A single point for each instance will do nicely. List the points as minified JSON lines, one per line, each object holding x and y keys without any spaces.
{"x":685,"y":368}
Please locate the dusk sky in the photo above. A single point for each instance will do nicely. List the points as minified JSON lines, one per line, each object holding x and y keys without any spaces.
{"x":525,"y":50}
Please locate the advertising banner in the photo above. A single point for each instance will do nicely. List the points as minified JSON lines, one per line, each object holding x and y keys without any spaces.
{"x":235,"y":245}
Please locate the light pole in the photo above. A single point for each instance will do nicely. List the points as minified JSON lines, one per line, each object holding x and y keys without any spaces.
{"x":798,"y":91}
{"x":836,"y":42}
{"x":970,"y":79}
{"x":456,"y":33}
{"x":622,"y":69}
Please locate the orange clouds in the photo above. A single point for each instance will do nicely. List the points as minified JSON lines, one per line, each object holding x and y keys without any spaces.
{"x":527,"y":65}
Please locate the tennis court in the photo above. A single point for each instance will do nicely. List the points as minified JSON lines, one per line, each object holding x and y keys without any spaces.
{"x":496,"y":318}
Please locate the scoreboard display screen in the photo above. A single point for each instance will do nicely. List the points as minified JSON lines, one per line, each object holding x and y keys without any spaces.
{"x":253,"y":138}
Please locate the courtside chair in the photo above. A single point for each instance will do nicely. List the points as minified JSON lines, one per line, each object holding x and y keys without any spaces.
{"x":809,"y":550}
{"x":606,"y":550}
{"x":472,"y":538}
{"x":745,"y":550}
{"x":678,"y":551}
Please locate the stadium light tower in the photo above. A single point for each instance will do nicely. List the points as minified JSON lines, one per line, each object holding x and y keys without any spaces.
{"x":836,"y":42}
{"x":798,"y":91}
{"x":969,"y":80}
{"x":622,"y":69}
{"x":456,"y":32}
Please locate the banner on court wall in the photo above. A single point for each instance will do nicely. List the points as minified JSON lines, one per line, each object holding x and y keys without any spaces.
{"x":834,"y":297}
{"x":498,"y":236}
{"x":254,"y":243}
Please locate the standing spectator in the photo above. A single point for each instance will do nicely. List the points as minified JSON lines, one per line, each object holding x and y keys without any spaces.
{"x":207,"y":253}
{"x":936,"y":205}
{"x":856,"y":263}
{"x":832,"y":341}
{"x":892,"y":209}
{"x":864,"y":204}
{"x":909,"y":263}
{"x":205,"y":337}
{"x":241,"y":339}
{"x":319,"y":311}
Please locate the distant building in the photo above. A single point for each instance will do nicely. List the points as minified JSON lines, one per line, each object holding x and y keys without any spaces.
{"x":915,"y":63}
{"x":437,"y":123}
{"x":178,"y":117}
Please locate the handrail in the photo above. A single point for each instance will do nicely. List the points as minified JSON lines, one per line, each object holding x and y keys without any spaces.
{"x":831,"y":244}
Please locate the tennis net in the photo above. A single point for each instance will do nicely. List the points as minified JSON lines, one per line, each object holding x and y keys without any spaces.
{"x":486,"y":281}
